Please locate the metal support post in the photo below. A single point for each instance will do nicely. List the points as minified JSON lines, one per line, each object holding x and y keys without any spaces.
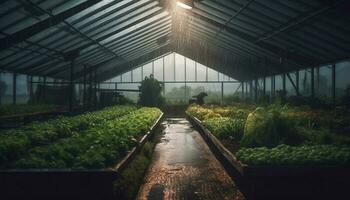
{"x":71,"y":85}
{"x":312,"y":82}
{"x":317,"y":87}
{"x":163,"y":69}
{"x":222,"y":93}
{"x":14,"y":97}
{"x":297,"y":82}
{"x":206,"y":73}
{"x":284,"y":82}
{"x":333,"y":84}
{"x":90,"y":90}
{"x":31,"y":88}
{"x":195,"y":71}
{"x":256,"y":91}
{"x":264,"y":86}
{"x":84,"y":87}
{"x":242,"y":83}
{"x":44,"y":88}
{"x":95,"y":89}
{"x":185,"y":71}
{"x":174,"y":67}
{"x":273,"y":86}
{"x":141,"y":74}
{"x":132,"y":75}
{"x":153,"y":68}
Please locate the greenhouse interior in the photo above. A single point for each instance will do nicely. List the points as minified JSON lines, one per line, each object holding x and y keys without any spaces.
{"x":174,"y":99}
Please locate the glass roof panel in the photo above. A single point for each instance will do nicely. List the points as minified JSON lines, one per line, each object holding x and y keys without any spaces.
{"x":17,"y":21}
{"x":105,"y":3}
{"x":62,"y":5}
{"x":143,"y":23}
{"x":126,"y":19}
{"x":7,"y":6}
{"x":154,"y":35}
{"x":80,"y":20}
{"x":137,"y":33}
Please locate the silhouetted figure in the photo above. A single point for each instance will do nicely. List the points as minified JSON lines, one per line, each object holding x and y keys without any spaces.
{"x":198,"y":99}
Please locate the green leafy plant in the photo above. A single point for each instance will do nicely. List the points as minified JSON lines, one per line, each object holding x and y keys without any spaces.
{"x":150,"y":92}
{"x":225,"y":127}
{"x":301,"y":155}
{"x":14,"y":143}
{"x":268,"y":128}
{"x":280,"y":134}
{"x":95,"y":148}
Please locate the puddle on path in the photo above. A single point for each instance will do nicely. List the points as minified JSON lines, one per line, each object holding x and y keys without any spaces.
{"x":184,"y":168}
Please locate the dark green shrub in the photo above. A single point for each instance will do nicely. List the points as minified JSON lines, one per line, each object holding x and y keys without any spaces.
{"x":266,"y":127}
{"x":150,"y":92}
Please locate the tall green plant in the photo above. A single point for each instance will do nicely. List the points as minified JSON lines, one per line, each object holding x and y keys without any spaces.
{"x":267,"y":127}
{"x":150,"y":92}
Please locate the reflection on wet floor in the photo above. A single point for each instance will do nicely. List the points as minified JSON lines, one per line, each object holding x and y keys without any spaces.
{"x":184,"y":168}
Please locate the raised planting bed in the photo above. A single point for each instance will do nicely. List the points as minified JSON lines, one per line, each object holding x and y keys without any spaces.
{"x":24,"y":109}
{"x":279,"y":181}
{"x":15,"y":143}
{"x":70,"y":183}
{"x":16,"y":120}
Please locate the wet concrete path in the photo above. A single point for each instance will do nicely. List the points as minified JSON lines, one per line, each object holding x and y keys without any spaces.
{"x":184,"y":168}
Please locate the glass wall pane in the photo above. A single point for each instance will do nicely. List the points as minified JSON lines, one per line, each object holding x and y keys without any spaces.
{"x":169,"y":67}
{"x":175,"y":93}
{"x":289,"y":86}
{"x":134,"y":96}
{"x":323,"y":82}
{"x":305,"y":82}
{"x":180,"y":67}
{"x":79,"y":92}
{"x":214,"y":93}
{"x":35,"y":79}
{"x":342,"y":81}
{"x":278,"y":83}
{"x":260,"y":86}
{"x":268,"y":86}
{"x":22,"y":89}
{"x":227,"y":78}
{"x":221,"y":77}
{"x":212,"y":75}
{"x":126,"y":76}
{"x":49,"y":80}
{"x":136,"y":75}
{"x":115,"y":79}
{"x":147,"y":70}
{"x":201,"y":72}
{"x":247,"y":90}
{"x":158,"y":69}
{"x":190,"y":70}
{"x":232,"y":93}
{"x":6,"y":89}
{"x":180,"y":93}
{"x":109,"y":86}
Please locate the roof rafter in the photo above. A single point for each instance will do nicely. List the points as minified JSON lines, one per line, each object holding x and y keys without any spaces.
{"x":26,"y":33}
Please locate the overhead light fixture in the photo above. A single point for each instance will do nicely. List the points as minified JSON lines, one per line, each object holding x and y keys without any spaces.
{"x":186,"y":4}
